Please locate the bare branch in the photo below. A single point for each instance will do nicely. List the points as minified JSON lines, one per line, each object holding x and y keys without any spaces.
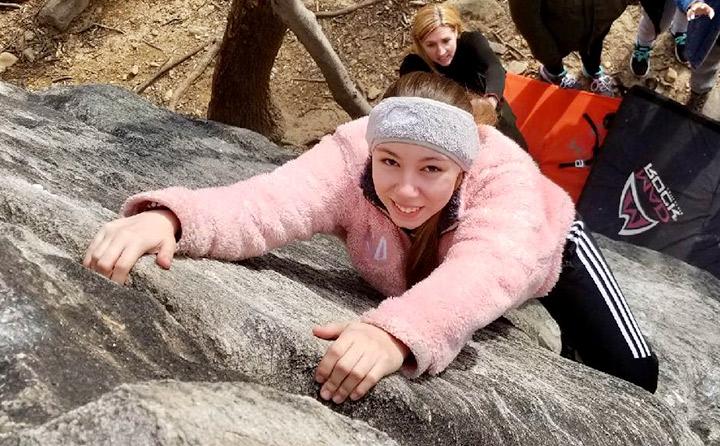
{"x":303,"y":23}
{"x":152,"y":45}
{"x":509,"y":45}
{"x":172,"y":63}
{"x":343,"y":11}
{"x":306,"y":79}
{"x":194,"y":75}
{"x":110,"y":28}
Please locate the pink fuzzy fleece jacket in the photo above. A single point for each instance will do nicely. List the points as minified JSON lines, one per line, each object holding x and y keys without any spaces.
{"x":506,"y":247}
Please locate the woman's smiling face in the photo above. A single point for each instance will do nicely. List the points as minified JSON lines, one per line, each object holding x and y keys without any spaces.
{"x":413,"y":182}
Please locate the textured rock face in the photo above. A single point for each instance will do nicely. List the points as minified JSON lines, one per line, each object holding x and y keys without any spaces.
{"x":679,"y":310}
{"x":201,"y":413}
{"x":234,"y":339}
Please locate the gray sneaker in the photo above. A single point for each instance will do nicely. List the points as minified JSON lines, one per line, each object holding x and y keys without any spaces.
{"x":681,"y":47}
{"x":640,"y":60}
{"x":563,"y":80}
{"x":602,"y":84}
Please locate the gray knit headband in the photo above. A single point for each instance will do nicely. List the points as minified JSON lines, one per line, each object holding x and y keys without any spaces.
{"x":427,"y":123}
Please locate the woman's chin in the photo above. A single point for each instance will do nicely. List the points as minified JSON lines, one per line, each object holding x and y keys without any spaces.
{"x":406,"y":222}
{"x":409,"y":227}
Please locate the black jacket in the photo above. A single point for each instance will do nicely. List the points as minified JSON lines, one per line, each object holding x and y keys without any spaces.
{"x":554,"y":28}
{"x":474,"y":65}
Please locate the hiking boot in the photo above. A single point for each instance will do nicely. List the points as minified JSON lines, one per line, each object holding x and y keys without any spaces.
{"x":681,"y":47}
{"x":601,"y":83}
{"x":640,"y":60}
{"x":697,"y":101}
{"x":563,"y":80}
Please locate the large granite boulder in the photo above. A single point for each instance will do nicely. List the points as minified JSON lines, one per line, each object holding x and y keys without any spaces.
{"x":172,"y":412}
{"x":222,"y":353}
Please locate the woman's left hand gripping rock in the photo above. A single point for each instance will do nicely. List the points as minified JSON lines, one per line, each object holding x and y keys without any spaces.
{"x":361,"y":355}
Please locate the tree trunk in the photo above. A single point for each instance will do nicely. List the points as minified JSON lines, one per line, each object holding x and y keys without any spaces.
{"x":241,"y":81}
{"x":303,"y":24}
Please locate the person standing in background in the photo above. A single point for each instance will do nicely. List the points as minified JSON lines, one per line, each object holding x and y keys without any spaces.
{"x":670,"y":16}
{"x":704,"y":65}
{"x":441,"y":45}
{"x":553,"y":29}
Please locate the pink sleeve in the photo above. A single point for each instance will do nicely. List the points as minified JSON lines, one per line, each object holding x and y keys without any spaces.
{"x":297,"y":200}
{"x":503,"y":252}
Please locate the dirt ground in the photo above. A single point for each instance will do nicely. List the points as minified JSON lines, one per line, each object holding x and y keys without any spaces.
{"x":125,"y":42}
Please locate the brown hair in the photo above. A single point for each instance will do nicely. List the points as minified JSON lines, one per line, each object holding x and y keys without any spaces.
{"x":428,"y":19}
{"x":423,"y":258}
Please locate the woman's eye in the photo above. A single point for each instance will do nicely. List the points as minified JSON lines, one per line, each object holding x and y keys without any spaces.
{"x":389,"y":162}
{"x":431,"y":169}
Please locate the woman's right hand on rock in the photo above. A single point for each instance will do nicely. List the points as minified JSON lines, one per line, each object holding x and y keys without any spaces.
{"x":120,"y":243}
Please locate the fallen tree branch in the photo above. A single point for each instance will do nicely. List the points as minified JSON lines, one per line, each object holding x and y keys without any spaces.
{"x":305,"y":79}
{"x":519,"y":53}
{"x":173,"y":20}
{"x":303,"y":113}
{"x":152,"y":45}
{"x":194,"y":75}
{"x":509,"y":45}
{"x":100,"y":25}
{"x":343,"y":11}
{"x":304,"y":25}
{"x":10,"y":5}
{"x":170,"y":64}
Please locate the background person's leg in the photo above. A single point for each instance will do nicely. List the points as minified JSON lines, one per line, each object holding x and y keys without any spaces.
{"x":591,"y":55}
{"x":600,"y":82}
{"x":640,"y":57}
{"x":679,"y":20}
{"x":646,"y":31}
{"x":703,"y":77}
{"x":679,"y":33}
{"x":594,"y":319}
{"x":702,"y":80}
{"x":647,"y":34}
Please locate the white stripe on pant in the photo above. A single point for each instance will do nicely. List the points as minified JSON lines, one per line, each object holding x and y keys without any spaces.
{"x":609,"y":289}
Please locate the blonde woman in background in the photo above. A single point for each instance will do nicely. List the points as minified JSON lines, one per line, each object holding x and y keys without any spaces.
{"x":441,"y":45}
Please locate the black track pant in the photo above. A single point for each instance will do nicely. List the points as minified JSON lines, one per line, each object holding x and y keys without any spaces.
{"x":594,"y":319}
{"x":590,"y":56}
